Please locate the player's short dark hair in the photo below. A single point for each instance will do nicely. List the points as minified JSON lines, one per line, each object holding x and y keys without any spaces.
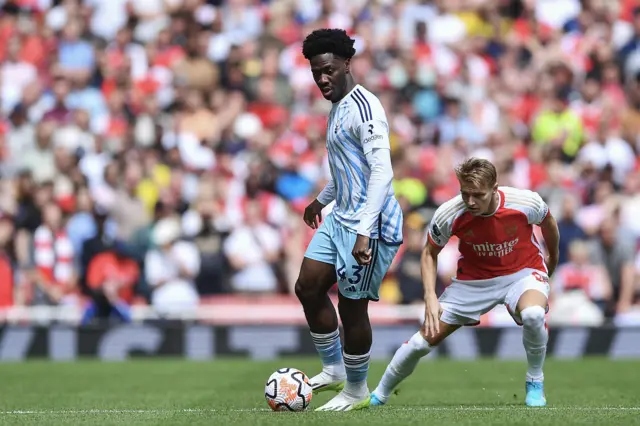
{"x":478,"y":171}
{"x":327,"y":40}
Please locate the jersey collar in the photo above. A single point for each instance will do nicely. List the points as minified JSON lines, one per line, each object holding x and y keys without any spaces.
{"x":357,"y":86}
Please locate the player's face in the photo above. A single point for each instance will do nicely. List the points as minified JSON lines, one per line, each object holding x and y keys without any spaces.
{"x":477,"y":198}
{"x":330,"y":74}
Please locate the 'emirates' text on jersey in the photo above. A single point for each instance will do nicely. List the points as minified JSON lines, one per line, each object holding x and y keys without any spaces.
{"x":357,"y":125}
{"x":496,"y":245}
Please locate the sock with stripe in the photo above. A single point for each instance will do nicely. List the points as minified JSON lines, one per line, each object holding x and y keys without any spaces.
{"x":330,"y":350}
{"x":357,"y":367}
{"x":534,"y":338}
{"x":402,"y":365}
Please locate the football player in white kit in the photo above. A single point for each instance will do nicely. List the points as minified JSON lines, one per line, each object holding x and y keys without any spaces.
{"x":358,"y":240}
{"x":500,"y":263}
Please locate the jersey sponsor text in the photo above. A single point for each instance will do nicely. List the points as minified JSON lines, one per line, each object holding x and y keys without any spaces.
{"x":497,"y":250}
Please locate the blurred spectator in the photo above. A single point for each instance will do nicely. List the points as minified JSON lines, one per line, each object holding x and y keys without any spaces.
{"x":55,"y":275}
{"x":128,"y":210}
{"x":568,"y":227}
{"x":617,"y":254}
{"x":20,"y":139}
{"x":408,"y":272}
{"x":253,"y":249}
{"x":40,"y":160}
{"x":580,"y":274}
{"x":454,"y":125}
{"x":580,"y":289}
{"x":410,"y":190}
{"x":97,"y":233}
{"x":59,"y":113}
{"x":199,"y":224}
{"x":81,"y":226}
{"x":15,"y":75}
{"x":171,"y":269}
{"x":607,"y":150}
{"x":76,"y":56}
{"x":558,"y":126}
{"x":111,"y":278}
{"x":628,"y":56}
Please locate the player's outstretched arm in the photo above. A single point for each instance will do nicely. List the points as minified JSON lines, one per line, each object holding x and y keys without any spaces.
{"x":428,"y":267}
{"x":551,"y":236}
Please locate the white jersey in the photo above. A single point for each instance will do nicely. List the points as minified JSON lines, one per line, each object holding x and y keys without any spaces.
{"x":357,"y":125}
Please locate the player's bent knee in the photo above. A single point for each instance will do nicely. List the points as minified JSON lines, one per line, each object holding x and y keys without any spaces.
{"x":419,"y":344}
{"x":532,"y":316}
{"x":445,"y":331}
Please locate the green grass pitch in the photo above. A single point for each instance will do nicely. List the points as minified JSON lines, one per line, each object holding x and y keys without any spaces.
{"x":230,"y":392}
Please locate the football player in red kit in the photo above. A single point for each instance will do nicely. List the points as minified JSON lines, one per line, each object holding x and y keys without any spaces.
{"x":501,"y":262}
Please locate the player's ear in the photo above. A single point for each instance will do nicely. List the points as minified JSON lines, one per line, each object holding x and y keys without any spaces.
{"x":347,"y":66}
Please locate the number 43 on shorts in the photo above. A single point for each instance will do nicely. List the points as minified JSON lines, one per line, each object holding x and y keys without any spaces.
{"x":356,"y":274}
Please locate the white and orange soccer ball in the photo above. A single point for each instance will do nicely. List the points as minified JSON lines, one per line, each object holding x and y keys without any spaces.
{"x":288,"y":389}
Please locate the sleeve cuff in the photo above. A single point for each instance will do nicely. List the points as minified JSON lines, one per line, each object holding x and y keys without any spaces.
{"x":432,"y":242}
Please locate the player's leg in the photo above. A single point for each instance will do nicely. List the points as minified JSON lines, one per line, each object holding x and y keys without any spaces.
{"x":529,"y":295}
{"x":358,"y":284}
{"x":461,"y":305}
{"x":406,"y":359}
{"x":357,"y":344}
{"x":312,"y":286}
{"x":317,"y":275}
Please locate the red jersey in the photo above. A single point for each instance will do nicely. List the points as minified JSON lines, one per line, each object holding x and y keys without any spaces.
{"x":494,"y":245}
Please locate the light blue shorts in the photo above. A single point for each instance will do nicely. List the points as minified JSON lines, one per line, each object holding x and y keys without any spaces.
{"x":333,"y":243}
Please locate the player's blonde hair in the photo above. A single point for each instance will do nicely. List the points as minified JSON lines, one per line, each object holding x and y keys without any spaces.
{"x":478,"y":172}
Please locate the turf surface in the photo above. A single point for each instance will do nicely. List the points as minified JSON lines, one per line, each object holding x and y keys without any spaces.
{"x":230,"y":392}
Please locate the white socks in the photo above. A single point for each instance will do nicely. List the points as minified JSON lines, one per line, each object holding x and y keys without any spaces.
{"x":534,"y":337}
{"x":402,"y":365}
{"x":406,"y":358}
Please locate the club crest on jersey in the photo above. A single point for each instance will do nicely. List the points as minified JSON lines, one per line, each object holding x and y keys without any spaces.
{"x":511,"y":230}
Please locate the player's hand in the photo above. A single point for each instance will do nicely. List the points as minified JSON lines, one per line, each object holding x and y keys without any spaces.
{"x":361,"y":251}
{"x":432,"y":316}
{"x":313,"y":214}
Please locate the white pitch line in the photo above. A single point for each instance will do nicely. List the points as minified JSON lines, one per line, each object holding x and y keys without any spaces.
{"x":514,"y":408}
{"x":131,"y":411}
{"x":262,"y":410}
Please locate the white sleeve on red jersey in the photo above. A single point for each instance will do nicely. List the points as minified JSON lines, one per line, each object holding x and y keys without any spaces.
{"x":528,"y":202}
{"x":538,"y":214}
{"x":441,"y":226}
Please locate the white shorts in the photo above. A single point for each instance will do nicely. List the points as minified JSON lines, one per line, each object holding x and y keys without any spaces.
{"x":463,"y":302}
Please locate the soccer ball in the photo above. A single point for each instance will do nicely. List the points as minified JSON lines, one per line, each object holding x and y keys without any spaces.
{"x":288,"y":389}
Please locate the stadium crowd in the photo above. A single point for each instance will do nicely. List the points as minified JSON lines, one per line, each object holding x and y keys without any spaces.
{"x":162,"y":151}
